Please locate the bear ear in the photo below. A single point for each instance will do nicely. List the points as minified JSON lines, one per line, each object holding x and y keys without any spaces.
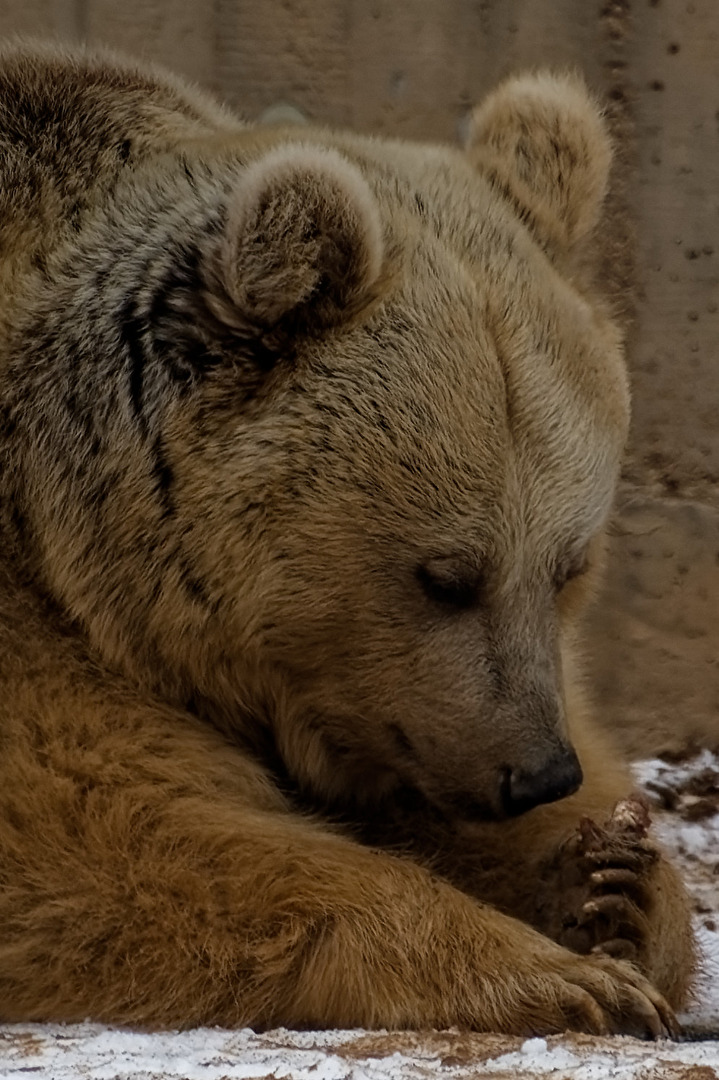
{"x":541,"y":138}
{"x":301,"y":248}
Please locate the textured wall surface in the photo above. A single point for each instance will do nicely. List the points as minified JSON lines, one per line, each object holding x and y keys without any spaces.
{"x":413,"y":67}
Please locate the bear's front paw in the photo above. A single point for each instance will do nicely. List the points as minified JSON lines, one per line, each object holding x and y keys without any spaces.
{"x":602,"y":881}
{"x":603,"y":996}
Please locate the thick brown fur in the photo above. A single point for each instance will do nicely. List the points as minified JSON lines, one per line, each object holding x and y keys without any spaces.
{"x":307,"y":444}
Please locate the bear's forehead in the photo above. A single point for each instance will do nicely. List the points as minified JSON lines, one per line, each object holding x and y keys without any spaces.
{"x":436,"y":406}
{"x":477,"y":387}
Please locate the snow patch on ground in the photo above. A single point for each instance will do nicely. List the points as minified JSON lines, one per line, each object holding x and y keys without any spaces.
{"x":685,"y":819}
{"x":685,"y":811}
{"x":94,"y":1052}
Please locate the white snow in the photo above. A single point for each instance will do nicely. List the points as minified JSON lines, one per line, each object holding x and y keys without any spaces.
{"x":95,"y":1052}
{"x":534,"y":1046}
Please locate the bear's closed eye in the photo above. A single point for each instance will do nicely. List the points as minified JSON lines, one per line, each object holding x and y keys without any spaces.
{"x":451,"y":581}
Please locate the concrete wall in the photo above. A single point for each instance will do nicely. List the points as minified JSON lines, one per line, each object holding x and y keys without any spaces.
{"x":413,"y":67}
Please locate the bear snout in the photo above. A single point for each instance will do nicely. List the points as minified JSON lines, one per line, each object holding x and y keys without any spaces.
{"x":557,"y":777}
{"x":518,"y":789}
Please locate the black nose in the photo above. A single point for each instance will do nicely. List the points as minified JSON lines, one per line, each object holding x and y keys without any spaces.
{"x":558,"y":777}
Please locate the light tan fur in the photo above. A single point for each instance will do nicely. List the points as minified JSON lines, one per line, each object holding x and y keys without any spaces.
{"x":307,"y":443}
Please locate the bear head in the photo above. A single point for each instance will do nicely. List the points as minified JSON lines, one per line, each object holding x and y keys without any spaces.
{"x":325,"y":431}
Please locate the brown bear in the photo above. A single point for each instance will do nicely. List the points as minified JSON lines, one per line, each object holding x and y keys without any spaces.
{"x":307,"y":444}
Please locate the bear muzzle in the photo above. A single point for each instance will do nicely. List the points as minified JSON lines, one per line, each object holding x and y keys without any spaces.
{"x":516,"y":789}
{"x":557,"y":777}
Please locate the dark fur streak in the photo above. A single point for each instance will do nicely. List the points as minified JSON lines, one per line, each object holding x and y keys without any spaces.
{"x":180,"y":277}
{"x":133,"y":330}
{"x":8,"y":424}
{"x":195,"y":588}
{"x":164,"y":478}
{"x":39,"y":262}
{"x":19,"y":523}
{"x":100,"y":493}
{"x":156,"y":591}
{"x":172,"y":326}
{"x":87,"y":423}
{"x":402,"y":740}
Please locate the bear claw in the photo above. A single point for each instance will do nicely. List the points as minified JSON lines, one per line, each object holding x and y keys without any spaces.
{"x":617,"y":948}
{"x":611,"y":906}
{"x":615,"y":877}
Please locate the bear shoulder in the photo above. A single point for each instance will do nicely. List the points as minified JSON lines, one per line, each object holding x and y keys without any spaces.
{"x":71,"y":121}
